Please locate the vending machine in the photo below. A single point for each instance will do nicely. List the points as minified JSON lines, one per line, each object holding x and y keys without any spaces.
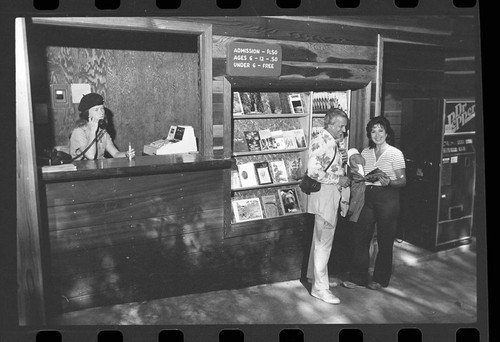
{"x":437,"y":139}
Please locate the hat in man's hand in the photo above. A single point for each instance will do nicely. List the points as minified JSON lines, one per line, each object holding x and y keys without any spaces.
{"x":90,"y":100}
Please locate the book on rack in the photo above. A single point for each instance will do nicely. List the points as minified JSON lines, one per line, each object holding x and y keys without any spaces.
{"x":322,"y":101}
{"x":237,"y":106}
{"x":285,"y":105}
{"x":278,"y":170}
{"x":235,"y":179}
{"x":252,"y":103}
{"x":289,"y":201}
{"x":294,"y":168}
{"x":263,"y":173}
{"x":253,"y":140}
{"x":289,"y":139}
{"x":265,"y":139}
{"x":266,"y":103}
{"x":240,"y":144}
{"x":246,"y":102}
{"x":270,"y":205}
{"x":296,"y":105}
{"x":300,"y":138}
{"x":278,"y":142}
{"x":248,"y":178}
{"x":247,"y":209}
{"x":271,"y":103}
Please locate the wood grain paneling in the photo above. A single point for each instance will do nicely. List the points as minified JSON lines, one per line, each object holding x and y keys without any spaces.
{"x":124,"y":210}
{"x":138,"y":230}
{"x":143,"y":91}
{"x":103,"y":231}
{"x":360,"y":31}
{"x":92,"y":191}
{"x":232,"y":266}
{"x":31,"y":307}
{"x":222,"y":114}
{"x":170,"y":248}
{"x":304,"y":51}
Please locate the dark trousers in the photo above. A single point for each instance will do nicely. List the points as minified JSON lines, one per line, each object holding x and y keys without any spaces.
{"x":381,"y":208}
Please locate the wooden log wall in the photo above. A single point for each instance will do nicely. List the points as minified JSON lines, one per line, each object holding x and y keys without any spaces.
{"x":341,"y":53}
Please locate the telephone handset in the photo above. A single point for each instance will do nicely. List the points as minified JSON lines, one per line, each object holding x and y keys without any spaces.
{"x":102,"y":124}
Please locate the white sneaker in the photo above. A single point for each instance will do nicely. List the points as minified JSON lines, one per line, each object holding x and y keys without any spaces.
{"x":326,"y":296}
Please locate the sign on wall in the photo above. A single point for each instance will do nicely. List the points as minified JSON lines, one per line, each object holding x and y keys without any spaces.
{"x":252,"y":59}
{"x":459,"y":116}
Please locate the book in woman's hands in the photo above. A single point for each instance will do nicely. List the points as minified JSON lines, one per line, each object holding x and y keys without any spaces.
{"x":374,"y":175}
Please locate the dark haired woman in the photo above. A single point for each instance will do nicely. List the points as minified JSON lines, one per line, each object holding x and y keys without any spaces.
{"x":381,"y":207}
{"x":91,"y":109}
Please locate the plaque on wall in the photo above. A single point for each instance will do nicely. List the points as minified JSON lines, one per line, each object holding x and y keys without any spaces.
{"x":252,"y":59}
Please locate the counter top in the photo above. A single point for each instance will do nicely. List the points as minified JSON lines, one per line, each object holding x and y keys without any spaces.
{"x":140,"y":165}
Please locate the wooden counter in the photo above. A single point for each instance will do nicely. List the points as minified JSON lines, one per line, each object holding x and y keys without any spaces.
{"x":140,"y":165}
{"x":154,"y":227}
{"x":121,"y":230}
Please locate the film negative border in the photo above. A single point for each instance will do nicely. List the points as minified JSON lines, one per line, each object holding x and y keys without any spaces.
{"x":477,"y":331}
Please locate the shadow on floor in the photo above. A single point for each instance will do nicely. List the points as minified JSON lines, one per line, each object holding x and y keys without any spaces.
{"x":425,"y":288}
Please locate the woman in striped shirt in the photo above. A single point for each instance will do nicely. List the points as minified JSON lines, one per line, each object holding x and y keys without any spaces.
{"x":381,"y":207}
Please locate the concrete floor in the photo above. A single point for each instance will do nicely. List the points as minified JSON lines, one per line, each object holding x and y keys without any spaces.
{"x":425,"y":288}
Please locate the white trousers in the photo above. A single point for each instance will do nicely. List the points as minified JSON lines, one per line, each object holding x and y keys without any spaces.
{"x":321,"y":246}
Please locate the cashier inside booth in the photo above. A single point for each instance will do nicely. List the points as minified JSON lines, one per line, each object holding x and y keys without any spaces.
{"x":180,"y":139}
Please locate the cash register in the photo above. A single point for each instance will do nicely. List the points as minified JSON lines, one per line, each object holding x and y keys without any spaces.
{"x":180,"y":139}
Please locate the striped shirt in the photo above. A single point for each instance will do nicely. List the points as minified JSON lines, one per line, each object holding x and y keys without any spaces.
{"x":390,"y":160}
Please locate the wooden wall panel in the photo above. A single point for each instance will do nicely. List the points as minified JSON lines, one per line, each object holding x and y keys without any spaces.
{"x":123,"y":210}
{"x":174,"y":271}
{"x":304,"y":51}
{"x":361,"y":30}
{"x":70,"y":193}
{"x":138,"y":230}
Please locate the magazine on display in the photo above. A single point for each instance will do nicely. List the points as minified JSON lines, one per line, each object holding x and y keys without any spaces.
{"x":278,"y":140}
{"x":263,"y":174}
{"x":270,"y":205}
{"x":237,"y":106}
{"x":296,"y":105}
{"x":265,"y":139}
{"x":300,"y":137}
{"x":247,"y":209}
{"x":247,"y":175}
{"x":294,"y":168}
{"x":278,"y":169}
{"x":235,"y":179}
{"x":253,"y":140}
{"x":289,"y":201}
{"x":289,"y":139}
